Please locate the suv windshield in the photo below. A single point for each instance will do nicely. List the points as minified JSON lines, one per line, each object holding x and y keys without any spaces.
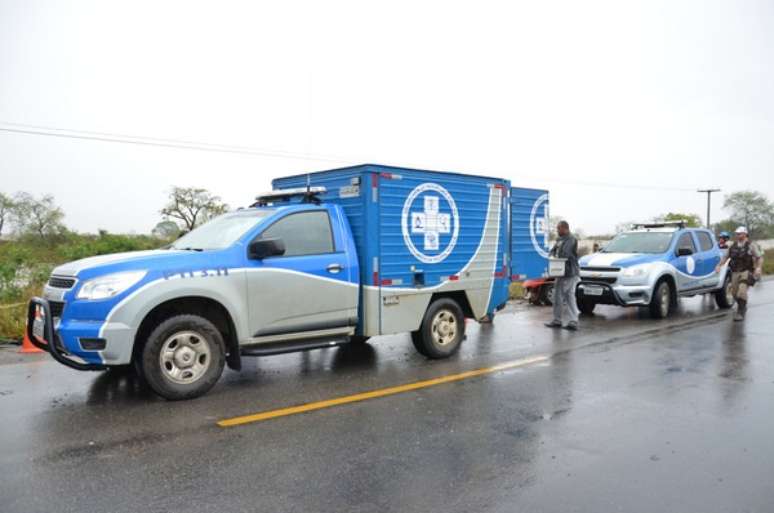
{"x":222,"y":231}
{"x":639,"y":242}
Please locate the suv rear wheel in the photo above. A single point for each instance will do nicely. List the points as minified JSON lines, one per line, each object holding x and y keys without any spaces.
{"x":442,"y":329}
{"x":661,"y":302}
{"x":183,"y":357}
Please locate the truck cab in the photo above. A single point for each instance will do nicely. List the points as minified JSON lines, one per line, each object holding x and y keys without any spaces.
{"x":653,"y":265}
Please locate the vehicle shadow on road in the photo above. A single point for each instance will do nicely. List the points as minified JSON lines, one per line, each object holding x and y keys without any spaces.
{"x":119,"y":385}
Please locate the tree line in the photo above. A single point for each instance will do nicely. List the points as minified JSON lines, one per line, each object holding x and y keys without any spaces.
{"x":24,"y":216}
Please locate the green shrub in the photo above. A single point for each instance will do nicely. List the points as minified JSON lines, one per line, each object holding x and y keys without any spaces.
{"x":768,"y":261}
{"x":26,"y":263}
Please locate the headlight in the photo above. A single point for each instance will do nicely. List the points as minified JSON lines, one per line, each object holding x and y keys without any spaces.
{"x":109,"y":285}
{"x":635,"y":271}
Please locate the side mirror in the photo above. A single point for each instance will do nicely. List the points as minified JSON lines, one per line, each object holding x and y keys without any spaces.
{"x":684,"y":251}
{"x":264,"y":248}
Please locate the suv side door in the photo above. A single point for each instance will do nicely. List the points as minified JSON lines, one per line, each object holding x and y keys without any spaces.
{"x":710,"y":255}
{"x":686,"y":265}
{"x":308,"y":291}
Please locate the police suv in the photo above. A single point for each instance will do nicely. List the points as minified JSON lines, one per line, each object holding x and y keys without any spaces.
{"x":326,"y":258}
{"x":653,"y":265}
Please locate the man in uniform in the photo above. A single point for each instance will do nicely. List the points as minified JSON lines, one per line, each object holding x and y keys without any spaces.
{"x":745,"y":265}
{"x":564,"y":288}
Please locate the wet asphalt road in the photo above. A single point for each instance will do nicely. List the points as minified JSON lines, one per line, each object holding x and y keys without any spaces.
{"x":628,"y":414}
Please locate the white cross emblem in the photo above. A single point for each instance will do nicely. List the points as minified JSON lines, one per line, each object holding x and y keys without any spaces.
{"x":431,"y":223}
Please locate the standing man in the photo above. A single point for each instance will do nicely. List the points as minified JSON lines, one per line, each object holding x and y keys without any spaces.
{"x":564,"y":288}
{"x":745,"y":265}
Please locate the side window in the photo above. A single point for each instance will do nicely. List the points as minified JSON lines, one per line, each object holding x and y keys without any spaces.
{"x":686,"y":241}
{"x":705,"y":241}
{"x":304,"y":233}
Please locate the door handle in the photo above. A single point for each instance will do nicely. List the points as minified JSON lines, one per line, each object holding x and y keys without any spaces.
{"x":334,"y":268}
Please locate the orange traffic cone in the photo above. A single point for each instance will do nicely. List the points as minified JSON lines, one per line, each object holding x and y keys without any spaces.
{"x":27,"y":346}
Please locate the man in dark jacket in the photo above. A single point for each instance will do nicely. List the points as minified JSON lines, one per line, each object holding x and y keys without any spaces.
{"x":564,"y":288}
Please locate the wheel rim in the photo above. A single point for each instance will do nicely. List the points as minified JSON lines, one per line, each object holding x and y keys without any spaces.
{"x":664,"y":293}
{"x":444,"y":328}
{"x":550,"y":294}
{"x":185,"y":357}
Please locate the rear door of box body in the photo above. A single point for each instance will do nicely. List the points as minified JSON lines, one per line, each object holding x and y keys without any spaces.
{"x":439,"y":233}
{"x":529,"y":233}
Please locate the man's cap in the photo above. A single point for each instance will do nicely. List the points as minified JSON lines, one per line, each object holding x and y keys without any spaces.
{"x":725,"y":235}
{"x":741,"y":229}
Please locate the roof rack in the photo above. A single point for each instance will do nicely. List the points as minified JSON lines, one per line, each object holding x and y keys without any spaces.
{"x":307,"y":195}
{"x":661,"y":224}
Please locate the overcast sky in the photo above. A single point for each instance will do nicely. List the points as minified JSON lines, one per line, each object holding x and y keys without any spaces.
{"x":671,"y":95}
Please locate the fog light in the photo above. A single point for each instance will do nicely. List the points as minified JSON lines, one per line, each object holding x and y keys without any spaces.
{"x":92,"y":344}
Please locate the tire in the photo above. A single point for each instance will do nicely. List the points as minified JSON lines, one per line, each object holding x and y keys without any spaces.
{"x":192,"y":361}
{"x":547,"y":294}
{"x":442,"y":330}
{"x":586,"y":307}
{"x":661,"y":303}
{"x":723,"y":297}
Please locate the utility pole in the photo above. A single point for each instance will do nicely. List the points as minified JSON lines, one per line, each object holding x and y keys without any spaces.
{"x":709,"y":202}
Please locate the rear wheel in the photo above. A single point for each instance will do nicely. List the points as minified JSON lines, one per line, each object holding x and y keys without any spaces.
{"x":547,"y":294}
{"x":661,"y":302}
{"x":723,"y":297}
{"x":183,"y":357}
{"x":442,"y":330}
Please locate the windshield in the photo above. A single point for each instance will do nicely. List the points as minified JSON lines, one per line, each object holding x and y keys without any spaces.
{"x":222,"y":231}
{"x":639,"y":242}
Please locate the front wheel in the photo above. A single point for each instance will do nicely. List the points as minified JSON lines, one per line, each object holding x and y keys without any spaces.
{"x":723,"y":297}
{"x":183,"y":357}
{"x":586,"y":306}
{"x":442,"y":330}
{"x":661,"y":302}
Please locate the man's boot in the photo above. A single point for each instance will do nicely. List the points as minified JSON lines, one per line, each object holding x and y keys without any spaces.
{"x":741,"y":309}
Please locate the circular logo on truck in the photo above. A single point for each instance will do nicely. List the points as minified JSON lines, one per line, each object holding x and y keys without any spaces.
{"x":538,"y":225}
{"x":430,"y":221}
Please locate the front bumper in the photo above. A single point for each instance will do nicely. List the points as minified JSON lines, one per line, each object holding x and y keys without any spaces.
{"x":615,"y":294}
{"x":42,"y":333}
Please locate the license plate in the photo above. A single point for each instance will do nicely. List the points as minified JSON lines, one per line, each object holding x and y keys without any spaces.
{"x":593,"y":291}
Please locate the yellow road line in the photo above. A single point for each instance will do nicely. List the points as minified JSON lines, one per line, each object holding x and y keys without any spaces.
{"x":381,"y":392}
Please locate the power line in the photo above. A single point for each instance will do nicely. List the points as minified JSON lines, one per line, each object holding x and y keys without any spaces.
{"x":68,"y":133}
{"x":159,"y":142}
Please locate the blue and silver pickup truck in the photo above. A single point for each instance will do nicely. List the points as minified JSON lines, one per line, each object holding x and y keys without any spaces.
{"x":653,"y":265}
{"x":325,"y":258}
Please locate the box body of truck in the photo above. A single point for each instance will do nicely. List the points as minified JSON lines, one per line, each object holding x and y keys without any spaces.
{"x":420,"y":235}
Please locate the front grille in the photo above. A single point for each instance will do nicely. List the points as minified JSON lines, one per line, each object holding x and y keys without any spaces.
{"x":601,"y":269}
{"x":601,"y":280}
{"x":56,"y":308}
{"x":61,"y":282}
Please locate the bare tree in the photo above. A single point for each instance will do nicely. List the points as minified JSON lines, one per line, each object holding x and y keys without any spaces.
{"x":40,"y":217}
{"x":192,"y":206}
{"x":6,"y":210}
